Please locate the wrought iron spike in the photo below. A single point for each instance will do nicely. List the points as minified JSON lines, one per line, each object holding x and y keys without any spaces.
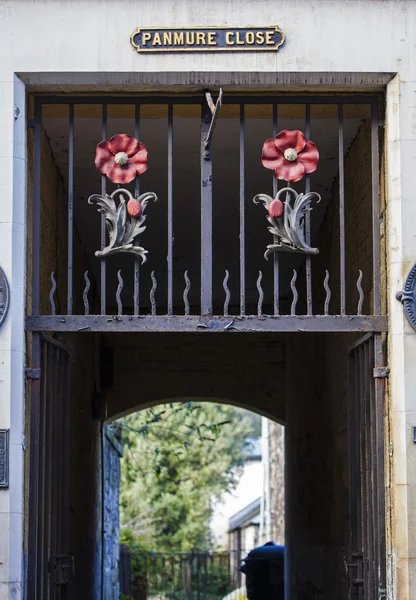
{"x":186,"y":292}
{"x":52,"y":294}
{"x":261,"y":295}
{"x":227,"y":293}
{"x":152,"y":293}
{"x":118,"y":294}
{"x":85,"y":294}
{"x":361,"y":294}
{"x":294,"y":292}
{"x":328,"y":293}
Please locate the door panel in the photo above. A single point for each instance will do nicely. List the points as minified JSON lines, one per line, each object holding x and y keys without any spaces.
{"x":367,"y":540}
{"x":49,"y":563}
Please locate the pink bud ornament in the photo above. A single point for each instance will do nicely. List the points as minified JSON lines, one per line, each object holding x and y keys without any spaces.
{"x":134,"y":208}
{"x":276,"y":209}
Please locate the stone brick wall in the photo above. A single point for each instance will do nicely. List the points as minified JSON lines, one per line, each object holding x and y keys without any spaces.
{"x":358,"y":232}
{"x":316,"y":436}
{"x":239,"y":369}
{"x":112,"y":453}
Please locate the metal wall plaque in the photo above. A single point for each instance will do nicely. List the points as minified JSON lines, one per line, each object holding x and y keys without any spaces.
{"x":408,"y":297}
{"x":4,"y":458}
{"x":4,"y":296}
{"x":208,"y":39}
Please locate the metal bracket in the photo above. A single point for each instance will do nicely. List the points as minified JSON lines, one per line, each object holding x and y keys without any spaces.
{"x":215,"y":111}
{"x":33,"y":373}
{"x":381,"y":372}
{"x":64,"y":566}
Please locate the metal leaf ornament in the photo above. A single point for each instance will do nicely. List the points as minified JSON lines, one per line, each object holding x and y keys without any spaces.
{"x":122,"y":228}
{"x":121,"y":160}
{"x":289,"y":226}
{"x":291,"y":157}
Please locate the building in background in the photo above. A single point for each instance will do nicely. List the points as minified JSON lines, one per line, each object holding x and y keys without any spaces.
{"x":272,"y":512}
{"x":248,"y":490}
{"x":322,"y":339}
{"x":254,"y":512}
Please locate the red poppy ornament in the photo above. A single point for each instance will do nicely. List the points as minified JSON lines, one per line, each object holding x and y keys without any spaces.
{"x":290,"y":155}
{"x":121,"y":158}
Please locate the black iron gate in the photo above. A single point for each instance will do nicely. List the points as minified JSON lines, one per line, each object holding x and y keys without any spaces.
{"x":287,"y":295}
{"x":49,"y":563}
{"x":367,"y":537}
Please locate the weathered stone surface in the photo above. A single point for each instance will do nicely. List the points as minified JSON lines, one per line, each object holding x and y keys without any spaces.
{"x":112,"y":453}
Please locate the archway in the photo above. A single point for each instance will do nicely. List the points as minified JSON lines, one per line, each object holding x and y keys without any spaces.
{"x":194,"y":456}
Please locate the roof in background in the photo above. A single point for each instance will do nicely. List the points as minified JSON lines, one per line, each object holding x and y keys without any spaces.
{"x":247,"y":516}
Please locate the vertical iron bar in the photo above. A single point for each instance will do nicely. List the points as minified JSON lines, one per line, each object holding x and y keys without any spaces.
{"x":47,"y":494}
{"x":308,"y":221}
{"x":34,"y":471}
{"x":58,"y":378}
{"x":367,"y":449}
{"x":45,"y":383}
{"x":198,"y":584}
{"x":36,"y":209}
{"x":242,"y":214}
{"x":276,"y":291}
{"x":364,"y":490}
{"x":170,"y":209}
{"x":341,"y":206}
{"x":65,"y":399}
{"x":136,"y":293}
{"x":206,"y":215}
{"x":70,"y":207}
{"x":373,"y":473}
{"x":375,"y":192}
{"x":55,"y":434}
{"x":379,"y":392}
{"x":359,"y":547}
{"x":353,"y":470}
{"x":103,"y":225}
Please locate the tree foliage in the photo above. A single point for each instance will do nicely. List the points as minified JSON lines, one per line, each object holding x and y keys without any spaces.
{"x":178,"y":459}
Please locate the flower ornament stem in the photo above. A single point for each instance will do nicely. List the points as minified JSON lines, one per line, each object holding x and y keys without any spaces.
{"x":122,"y":230}
{"x":291,"y":157}
{"x":287,"y":219}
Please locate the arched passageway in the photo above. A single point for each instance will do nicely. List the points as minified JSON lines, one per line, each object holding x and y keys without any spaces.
{"x":300,"y":380}
{"x":247,"y":371}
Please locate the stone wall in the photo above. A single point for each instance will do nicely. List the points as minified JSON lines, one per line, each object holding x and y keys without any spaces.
{"x":239,"y":369}
{"x":316,"y":435}
{"x":277,"y":482}
{"x":112,"y":453}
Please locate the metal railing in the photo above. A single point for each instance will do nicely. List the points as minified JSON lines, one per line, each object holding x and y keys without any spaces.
{"x":180,"y":576}
{"x":287,"y":290}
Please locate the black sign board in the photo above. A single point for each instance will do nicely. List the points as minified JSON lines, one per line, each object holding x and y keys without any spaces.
{"x":208,"y":39}
{"x":4,"y":458}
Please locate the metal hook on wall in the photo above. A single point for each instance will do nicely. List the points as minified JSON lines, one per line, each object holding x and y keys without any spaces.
{"x":215,"y":111}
